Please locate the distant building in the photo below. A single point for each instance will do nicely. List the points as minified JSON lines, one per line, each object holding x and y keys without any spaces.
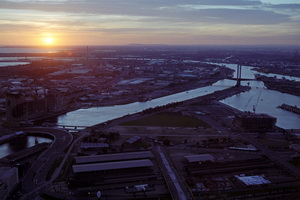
{"x":200,"y":158}
{"x":9,"y":178}
{"x":94,"y":146}
{"x":132,"y":141}
{"x":250,"y":122}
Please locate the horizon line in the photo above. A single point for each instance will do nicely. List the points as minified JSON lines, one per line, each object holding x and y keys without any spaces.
{"x":137,"y":44}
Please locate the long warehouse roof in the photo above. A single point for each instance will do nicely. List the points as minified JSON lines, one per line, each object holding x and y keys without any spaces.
{"x":112,"y":165}
{"x":113,"y":157}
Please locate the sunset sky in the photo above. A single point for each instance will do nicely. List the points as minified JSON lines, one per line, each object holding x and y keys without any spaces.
{"x":118,"y":22}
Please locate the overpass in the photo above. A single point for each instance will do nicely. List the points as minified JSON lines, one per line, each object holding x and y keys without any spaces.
{"x":37,"y":173}
{"x":71,"y":127}
{"x":65,"y":127}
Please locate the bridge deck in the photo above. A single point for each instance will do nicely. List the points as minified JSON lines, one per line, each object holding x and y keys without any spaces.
{"x":242,"y":79}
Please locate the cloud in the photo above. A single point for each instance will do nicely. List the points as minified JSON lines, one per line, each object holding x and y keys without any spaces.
{"x":286,"y":6}
{"x":235,"y":16}
{"x":165,"y":10}
{"x":154,"y":18}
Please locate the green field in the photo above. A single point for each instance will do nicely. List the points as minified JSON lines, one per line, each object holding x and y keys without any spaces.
{"x":168,"y":120}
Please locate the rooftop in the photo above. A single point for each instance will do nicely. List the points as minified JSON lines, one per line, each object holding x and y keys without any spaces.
{"x":113,"y":157}
{"x":252,"y":180}
{"x":112,"y":165}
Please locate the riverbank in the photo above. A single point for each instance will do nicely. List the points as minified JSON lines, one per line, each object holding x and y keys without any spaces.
{"x":217,"y":95}
{"x":277,"y":71}
{"x":147,"y":96}
{"x":281,"y":85}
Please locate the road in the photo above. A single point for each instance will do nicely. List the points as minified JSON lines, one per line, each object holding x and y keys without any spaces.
{"x":37,"y":174}
{"x":276,"y":159}
{"x":178,"y":189}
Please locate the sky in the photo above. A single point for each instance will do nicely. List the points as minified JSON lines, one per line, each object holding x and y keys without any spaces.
{"x":175,"y":22}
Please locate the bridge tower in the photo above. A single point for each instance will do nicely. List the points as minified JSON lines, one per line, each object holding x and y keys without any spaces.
{"x":238,"y":75}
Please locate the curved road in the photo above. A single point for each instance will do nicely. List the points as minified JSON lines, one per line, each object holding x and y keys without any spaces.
{"x":37,"y":174}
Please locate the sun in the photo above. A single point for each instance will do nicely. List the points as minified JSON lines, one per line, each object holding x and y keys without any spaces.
{"x":48,"y":40}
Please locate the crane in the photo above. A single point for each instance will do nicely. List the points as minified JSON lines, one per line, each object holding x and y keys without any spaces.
{"x":254,"y":106}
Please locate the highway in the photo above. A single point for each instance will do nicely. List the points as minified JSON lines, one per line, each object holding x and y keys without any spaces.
{"x":37,"y":174}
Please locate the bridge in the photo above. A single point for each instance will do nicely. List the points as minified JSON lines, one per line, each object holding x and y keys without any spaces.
{"x":37,"y":174}
{"x":65,"y":127}
{"x":241,"y":79}
{"x":71,"y":127}
{"x":239,"y":76}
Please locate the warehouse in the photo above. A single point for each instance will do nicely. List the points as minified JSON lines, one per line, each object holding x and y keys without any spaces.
{"x":112,"y":165}
{"x":108,"y":170}
{"x":113,"y":157}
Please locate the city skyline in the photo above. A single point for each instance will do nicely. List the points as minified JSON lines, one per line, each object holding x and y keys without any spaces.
{"x":83,"y":22}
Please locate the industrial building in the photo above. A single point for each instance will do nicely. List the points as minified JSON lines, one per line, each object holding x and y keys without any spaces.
{"x":113,"y":157}
{"x":251,"y":180}
{"x":250,"y":122}
{"x":109,"y":169}
{"x":112,"y":166}
{"x":26,"y":107}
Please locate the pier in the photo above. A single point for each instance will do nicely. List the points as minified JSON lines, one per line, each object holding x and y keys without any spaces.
{"x":293,"y":109}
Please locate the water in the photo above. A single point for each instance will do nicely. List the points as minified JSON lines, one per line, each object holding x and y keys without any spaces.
{"x":248,"y":73}
{"x":20,"y":144}
{"x":28,"y":50}
{"x":93,"y":116}
{"x":3,"y":59}
{"x":264,"y":100}
{"x":7,"y":64}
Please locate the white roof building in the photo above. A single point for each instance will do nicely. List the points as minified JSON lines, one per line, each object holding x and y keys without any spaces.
{"x":252,"y":180}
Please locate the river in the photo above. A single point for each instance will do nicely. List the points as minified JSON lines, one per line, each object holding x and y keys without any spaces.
{"x":7,"y":64}
{"x":264,"y":100}
{"x":92,"y":116}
